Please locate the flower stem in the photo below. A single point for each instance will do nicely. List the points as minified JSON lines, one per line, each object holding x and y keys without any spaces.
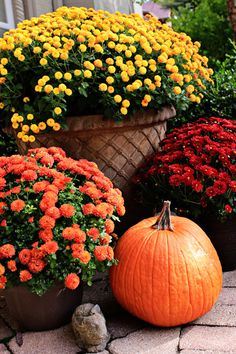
{"x":164,"y":219}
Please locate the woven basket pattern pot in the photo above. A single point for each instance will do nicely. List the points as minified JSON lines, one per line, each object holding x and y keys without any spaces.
{"x":117,"y":148}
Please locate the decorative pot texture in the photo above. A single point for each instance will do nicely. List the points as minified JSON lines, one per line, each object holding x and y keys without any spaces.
{"x":39,"y":313}
{"x":118,"y":148}
{"x":223,"y":238}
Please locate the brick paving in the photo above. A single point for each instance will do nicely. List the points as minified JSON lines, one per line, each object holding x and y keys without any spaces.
{"x":214,"y":333}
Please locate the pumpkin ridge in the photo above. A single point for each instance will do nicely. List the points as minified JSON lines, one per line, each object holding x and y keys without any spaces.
{"x":153,"y":260}
{"x":180,"y":252}
{"x":137,"y":259}
{"x":211,"y":256}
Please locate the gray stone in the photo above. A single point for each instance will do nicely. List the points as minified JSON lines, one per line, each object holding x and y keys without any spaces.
{"x":100,"y":293}
{"x":229,"y":279}
{"x":123,"y":324}
{"x":147,"y":341}
{"x":3,"y":349}
{"x":209,"y":338}
{"x":89,"y":326}
{"x":227,"y":297}
{"x":5,"y":331}
{"x":220,"y":315}
{"x":58,"y":341}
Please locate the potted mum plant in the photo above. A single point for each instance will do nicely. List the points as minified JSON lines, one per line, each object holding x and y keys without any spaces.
{"x":93,"y":64}
{"x":56,"y":222}
{"x":196,"y":170}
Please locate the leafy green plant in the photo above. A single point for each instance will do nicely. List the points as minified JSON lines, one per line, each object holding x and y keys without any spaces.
{"x":219,"y":100}
{"x":7,"y":145}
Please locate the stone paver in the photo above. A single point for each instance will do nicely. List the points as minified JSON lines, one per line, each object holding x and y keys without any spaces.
{"x":229,"y":278}
{"x":123,"y":324}
{"x":3,"y":349}
{"x":58,"y":341}
{"x":206,"y":352}
{"x":5,"y":331}
{"x":209,"y":338}
{"x":227,"y":296}
{"x":220,"y":315}
{"x":147,"y":341}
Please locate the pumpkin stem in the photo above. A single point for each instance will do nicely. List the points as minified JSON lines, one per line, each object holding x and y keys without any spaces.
{"x":164,"y":219}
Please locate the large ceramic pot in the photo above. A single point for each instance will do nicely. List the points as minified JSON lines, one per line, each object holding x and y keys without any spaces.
{"x":223,"y":238}
{"x":38,"y":313}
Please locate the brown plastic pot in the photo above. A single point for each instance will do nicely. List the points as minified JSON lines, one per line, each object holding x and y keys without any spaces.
{"x":223,"y":238}
{"x":39,"y":313}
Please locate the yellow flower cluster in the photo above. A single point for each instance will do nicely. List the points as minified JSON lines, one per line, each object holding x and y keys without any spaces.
{"x":113,"y":62}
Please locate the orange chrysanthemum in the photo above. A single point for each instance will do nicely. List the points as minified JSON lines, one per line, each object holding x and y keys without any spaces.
{"x":53,"y":212}
{"x":94,"y":233}
{"x":72,"y":281}
{"x":46,"y":222}
{"x":109,"y":226}
{"x":50,"y":247}
{"x":25,"y":275}
{"x":2,"y":269}
{"x":7,"y":251}
{"x":84,"y":257}
{"x":67,"y":210}
{"x":88,"y":208}
{"x":29,"y":175}
{"x":17,"y":205}
{"x":36,"y":265}
{"x":11,"y":265}
{"x":46,"y":235}
{"x":24,"y":256}
{"x":3,"y":281}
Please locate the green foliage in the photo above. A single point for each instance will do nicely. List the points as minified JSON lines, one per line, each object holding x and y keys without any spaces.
{"x":7,"y":145}
{"x":219,"y":100}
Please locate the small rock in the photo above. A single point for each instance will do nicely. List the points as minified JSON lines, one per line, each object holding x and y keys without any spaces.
{"x":90,"y":329}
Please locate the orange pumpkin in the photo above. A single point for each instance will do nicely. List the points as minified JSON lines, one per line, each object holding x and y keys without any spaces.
{"x":168,"y":272}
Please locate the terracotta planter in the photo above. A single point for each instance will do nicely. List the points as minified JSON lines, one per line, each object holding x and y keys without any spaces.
{"x":38,"y":313}
{"x":223,"y":238}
